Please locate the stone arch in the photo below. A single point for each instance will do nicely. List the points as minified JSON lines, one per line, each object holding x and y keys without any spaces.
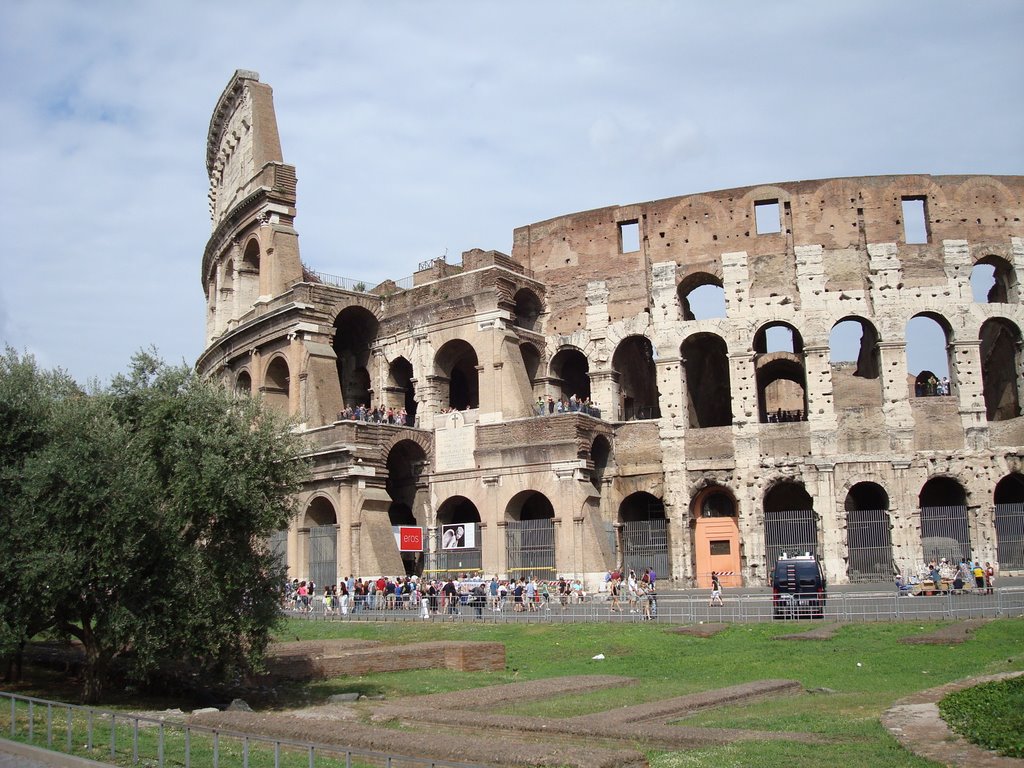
{"x":994,"y":281}
{"x":643,"y":534}
{"x":1000,"y":368}
{"x":1009,"y":521}
{"x":406,"y":463}
{"x":243,"y":383}
{"x":401,"y":388}
{"x":705,"y":366}
{"x":633,"y":363}
{"x":249,"y":274}
{"x":701,"y":296}
{"x":530,"y":535}
{"x":855,"y":363}
{"x":868,"y":533}
{"x":319,"y":511}
{"x":790,"y":522}
{"x":320,"y":520}
{"x":276,"y":387}
{"x":569,"y":371}
{"x":528,"y":310}
{"x":780,"y":372}
{"x":355,"y":330}
{"x":945,"y":531}
{"x":928,"y":338}
{"x":717,"y":545}
{"x":456,"y":365}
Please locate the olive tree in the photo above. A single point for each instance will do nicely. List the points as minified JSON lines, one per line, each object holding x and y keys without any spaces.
{"x":151,"y":503}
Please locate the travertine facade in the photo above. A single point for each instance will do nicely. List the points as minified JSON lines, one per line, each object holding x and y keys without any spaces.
{"x":728,"y":420}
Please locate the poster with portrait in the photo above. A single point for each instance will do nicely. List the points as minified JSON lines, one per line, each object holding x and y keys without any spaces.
{"x":458,"y":536}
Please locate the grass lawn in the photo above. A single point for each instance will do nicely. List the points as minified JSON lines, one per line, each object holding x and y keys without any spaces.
{"x":861,"y":671}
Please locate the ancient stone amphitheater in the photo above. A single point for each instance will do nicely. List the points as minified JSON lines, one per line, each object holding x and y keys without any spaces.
{"x":693,"y":384}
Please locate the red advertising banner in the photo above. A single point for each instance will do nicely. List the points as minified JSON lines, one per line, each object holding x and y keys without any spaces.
{"x":409,"y":539}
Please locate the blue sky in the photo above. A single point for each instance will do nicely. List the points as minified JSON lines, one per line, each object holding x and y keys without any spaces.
{"x":419,"y":129}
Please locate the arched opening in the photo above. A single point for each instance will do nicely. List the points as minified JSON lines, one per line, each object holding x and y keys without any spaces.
{"x":856,"y":363}
{"x":456,"y":362}
{"x":600,"y":455}
{"x":780,"y":373}
{"x":927,"y":355}
{"x":355,"y":329}
{"x":457,"y":547}
{"x":701,"y":297}
{"x":276,"y":383}
{"x":405,"y":464}
{"x":249,"y":276}
{"x":1000,"y":366}
{"x":243,"y":384}
{"x":790,"y":523}
{"x":945,"y":532}
{"x":531,"y":361}
{"x":716,"y":537}
{"x":408,"y":491}
{"x":322,"y":553}
{"x":530,"y":536}
{"x":569,"y":373}
{"x":994,"y":281}
{"x":1009,"y":520}
{"x":643,"y":535}
{"x":868,"y":534}
{"x":528,"y":310}
{"x":708,"y":392}
{"x":633,"y":363}
{"x":401,"y":390}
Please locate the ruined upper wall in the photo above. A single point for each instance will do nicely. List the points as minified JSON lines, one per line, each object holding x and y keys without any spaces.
{"x":241,"y":140}
{"x":840,"y":215}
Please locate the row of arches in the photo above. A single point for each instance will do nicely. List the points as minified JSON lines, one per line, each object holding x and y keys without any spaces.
{"x":700,"y":296}
{"x":640,"y":536}
{"x":779,"y":366}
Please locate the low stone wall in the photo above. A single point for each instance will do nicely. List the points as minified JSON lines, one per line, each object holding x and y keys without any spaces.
{"x":308,"y":661}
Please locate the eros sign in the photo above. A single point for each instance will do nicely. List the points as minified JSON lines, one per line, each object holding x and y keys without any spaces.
{"x":409,"y":539}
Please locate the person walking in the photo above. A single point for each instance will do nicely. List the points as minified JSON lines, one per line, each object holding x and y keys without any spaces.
{"x":716,"y":590}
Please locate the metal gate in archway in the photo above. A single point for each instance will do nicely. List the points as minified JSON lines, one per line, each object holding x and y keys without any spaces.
{"x":644,"y":544}
{"x":1009,"y":520}
{"x":869,"y":545}
{"x":530,"y":548}
{"x":453,"y":561}
{"x":323,"y":555}
{"x":793,"y":531}
{"x":945,"y":533}
{"x":278,"y":546}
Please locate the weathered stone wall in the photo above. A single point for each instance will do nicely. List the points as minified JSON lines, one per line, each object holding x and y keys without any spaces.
{"x":687,"y":406}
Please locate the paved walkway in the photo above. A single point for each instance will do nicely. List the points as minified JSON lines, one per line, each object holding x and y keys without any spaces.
{"x":916,"y":724}
{"x":13,"y":754}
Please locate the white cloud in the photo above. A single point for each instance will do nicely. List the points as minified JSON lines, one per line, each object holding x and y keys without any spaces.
{"x":420,"y":127}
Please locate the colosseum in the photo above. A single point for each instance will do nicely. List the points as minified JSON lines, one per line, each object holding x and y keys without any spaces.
{"x":694,"y":384}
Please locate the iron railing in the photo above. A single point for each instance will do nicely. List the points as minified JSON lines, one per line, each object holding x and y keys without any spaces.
{"x":128,"y":738}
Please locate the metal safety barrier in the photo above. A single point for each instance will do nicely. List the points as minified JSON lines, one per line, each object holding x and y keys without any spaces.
{"x":124,"y":738}
{"x":687,"y":607}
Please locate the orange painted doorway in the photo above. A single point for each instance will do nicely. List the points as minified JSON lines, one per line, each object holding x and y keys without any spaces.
{"x":716,"y":542}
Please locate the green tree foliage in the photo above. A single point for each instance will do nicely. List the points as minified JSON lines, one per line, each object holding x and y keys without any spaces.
{"x":27,"y":396}
{"x":149,"y":505}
